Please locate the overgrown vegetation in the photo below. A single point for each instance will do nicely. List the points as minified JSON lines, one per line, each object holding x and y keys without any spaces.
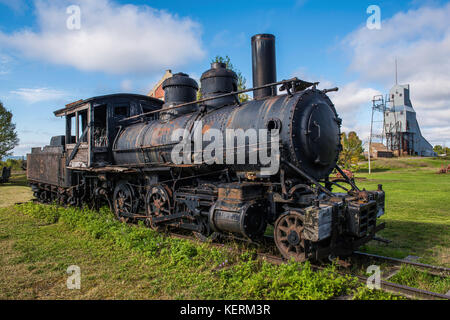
{"x":179,"y":268}
{"x":410,"y":276}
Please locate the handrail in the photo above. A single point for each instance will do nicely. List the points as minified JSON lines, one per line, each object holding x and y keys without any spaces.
{"x":295,"y":79}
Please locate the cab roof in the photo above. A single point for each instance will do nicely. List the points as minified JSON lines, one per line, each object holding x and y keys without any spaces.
{"x":73,"y":106}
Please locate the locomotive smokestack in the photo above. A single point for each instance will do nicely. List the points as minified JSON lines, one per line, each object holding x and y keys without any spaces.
{"x":264,"y":65}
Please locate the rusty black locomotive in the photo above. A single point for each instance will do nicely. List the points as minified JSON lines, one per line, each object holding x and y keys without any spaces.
{"x":119,"y":149}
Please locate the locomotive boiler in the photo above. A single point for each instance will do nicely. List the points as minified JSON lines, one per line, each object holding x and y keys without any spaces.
{"x":216,"y":166}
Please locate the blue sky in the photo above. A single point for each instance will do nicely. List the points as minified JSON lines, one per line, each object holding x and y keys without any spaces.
{"x":125,"y":46}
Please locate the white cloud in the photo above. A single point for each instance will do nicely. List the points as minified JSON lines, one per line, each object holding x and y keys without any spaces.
{"x":113,"y":38}
{"x":39,"y":94}
{"x":23,"y":148}
{"x":352,"y":96}
{"x":420,"y":40}
{"x":353,"y":102}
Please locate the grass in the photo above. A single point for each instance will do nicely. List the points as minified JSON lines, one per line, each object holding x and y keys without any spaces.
{"x":128,"y":261}
{"x":417,"y":210}
{"x":417,"y":216}
{"x":120,"y":261}
{"x":412,"y":277}
{"x":16,"y":190}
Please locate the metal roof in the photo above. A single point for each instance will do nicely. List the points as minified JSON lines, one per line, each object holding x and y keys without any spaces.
{"x":72,"y":106}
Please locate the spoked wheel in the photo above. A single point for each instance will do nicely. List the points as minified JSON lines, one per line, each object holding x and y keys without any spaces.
{"x":288,"y":236}
{"x":157,"y":205}
{"x":124,"y":202}
{"x":43,"y":196}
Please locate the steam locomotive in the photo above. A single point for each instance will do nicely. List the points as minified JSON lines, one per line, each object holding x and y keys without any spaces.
{"x":121,"y":149}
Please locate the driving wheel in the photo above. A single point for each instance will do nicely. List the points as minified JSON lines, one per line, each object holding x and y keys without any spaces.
{"x":124,"y":202}
{"x":157,"y":205}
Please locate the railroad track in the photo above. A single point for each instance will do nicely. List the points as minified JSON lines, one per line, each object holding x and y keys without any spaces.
{"x":395,"y":288}
{"x":437,"y":270}
{"x":409,"y":292}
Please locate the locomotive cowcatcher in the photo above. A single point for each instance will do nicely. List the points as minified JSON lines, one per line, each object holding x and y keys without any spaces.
{"x":118,"y":150}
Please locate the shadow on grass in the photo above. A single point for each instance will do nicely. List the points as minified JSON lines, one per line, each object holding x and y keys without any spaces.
{"x":426,"y":240}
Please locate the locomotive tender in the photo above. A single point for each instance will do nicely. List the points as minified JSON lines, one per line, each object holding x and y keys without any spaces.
{"x":118,"y":149}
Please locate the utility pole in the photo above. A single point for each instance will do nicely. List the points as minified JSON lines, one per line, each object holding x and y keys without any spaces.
{"x":370,"y":139}
{"x":378,"y":104}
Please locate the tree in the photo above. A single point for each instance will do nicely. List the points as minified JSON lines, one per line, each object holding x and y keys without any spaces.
{"x":438,"y":149}
{"x":241,"y":85}
{"x":441,"y":150}
{"x":8,"y":135}
{"x":352,"y":150}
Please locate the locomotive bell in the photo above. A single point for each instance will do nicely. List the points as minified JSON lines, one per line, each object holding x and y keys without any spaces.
{"x":217,"y":81}
{"x":178,"y":89}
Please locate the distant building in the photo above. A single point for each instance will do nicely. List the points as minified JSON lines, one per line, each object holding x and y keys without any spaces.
{"x":401,"y":128}
{"x":379,"y":150}
{"x":157,"y":91}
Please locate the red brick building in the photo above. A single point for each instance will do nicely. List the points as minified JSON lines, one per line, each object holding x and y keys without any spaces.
{"x":157,"y":91}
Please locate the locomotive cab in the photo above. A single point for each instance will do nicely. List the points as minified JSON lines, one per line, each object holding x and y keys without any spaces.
{"x":92,"y":124}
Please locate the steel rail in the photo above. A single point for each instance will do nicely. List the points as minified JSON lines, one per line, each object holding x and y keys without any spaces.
{"x":403,"y":261}
{"x":410,"y":292}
